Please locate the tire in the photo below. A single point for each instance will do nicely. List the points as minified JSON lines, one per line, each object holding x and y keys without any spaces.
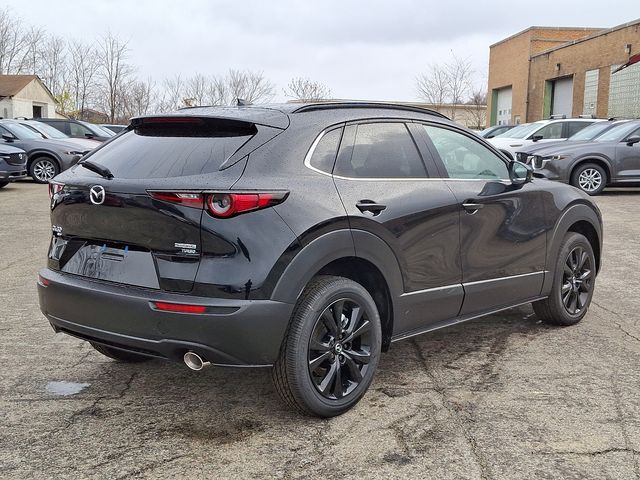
{"x":332,"y":385}
{"x":591,"y":178}
{"x":119,"y":355}
{"x":3,"y":184}
{"x":43,"y":169}
{"x":559,"y":308}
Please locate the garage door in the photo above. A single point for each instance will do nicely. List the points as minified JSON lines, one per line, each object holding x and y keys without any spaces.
{"x":562,"y":102}
{"x":503,"y":116}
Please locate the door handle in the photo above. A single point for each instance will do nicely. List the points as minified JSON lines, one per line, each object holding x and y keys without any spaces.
{"x":471,"y":207}
{"x":370,"y":206}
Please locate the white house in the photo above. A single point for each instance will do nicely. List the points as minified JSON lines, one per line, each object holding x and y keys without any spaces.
{"x":25,"y":96}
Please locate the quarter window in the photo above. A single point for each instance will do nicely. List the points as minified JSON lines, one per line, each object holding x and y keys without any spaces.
{"x":324,"y":155}
{"x":464,"y":157}
{"x":379,"y":150}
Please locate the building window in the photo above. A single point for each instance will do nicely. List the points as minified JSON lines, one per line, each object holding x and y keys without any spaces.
{"x":590,"y":92}
{"x":624,"y":92}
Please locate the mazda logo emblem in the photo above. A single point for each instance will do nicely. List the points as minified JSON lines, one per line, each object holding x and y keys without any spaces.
{"x":97,"y":194}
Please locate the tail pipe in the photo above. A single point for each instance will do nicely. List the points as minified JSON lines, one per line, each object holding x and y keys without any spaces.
{"x":195,"y":361}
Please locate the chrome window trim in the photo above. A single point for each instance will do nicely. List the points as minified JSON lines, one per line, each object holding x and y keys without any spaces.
{"x":307,"y":163}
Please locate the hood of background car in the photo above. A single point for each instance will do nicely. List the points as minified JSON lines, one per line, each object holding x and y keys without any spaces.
{"x":578,"y":148}
{"x":541,"y":149}
{"x":8,"y":149}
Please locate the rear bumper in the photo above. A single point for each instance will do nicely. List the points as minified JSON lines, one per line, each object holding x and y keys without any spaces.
{"x":232,"y":333}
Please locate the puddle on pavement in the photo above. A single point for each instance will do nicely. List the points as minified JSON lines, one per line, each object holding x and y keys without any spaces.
{"x":65,"y":388}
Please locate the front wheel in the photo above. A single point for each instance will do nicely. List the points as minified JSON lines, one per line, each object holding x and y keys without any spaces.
{"x":331,"y":349}
{"x":590,"y":178}
{"x":573,"y":283}
{"x":43,"y":169}
{"x":3,"y":184}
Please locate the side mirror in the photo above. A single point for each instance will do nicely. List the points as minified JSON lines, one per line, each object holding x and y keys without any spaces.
{"x":490,"y":136}
{"x":89,"y":135}
{"x":535,"y":138}
{"x":633,"y":139}
{"x":520,"y":173}
{"x":8,"y":137}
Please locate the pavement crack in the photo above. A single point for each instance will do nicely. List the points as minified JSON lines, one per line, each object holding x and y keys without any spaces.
{"x":151,"y":466}
{"x":593,"y":453}
{"x":455,"y":413}
{"x":617,"y":324}
{"x":620,"y":416}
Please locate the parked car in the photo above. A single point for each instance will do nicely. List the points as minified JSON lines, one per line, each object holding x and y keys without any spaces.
{"x":78,"y":128}
{"x":307,"y":237}
{"x":47,"y":131}
{"x":612,"y":159}
{"x":522,"y":136}
{"x":491,"y":132}
{"x":114,"y":128}
{"x":587,"y":134}
{"x":13,"y":162}
{"x":46,"y":157}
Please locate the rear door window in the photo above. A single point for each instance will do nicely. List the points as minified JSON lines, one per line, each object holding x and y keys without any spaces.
{"x":78,"y":130}
{"x":379,"y":150}
{"x":173,"y":150}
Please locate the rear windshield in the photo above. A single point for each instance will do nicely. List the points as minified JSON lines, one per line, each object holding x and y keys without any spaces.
{"x":161,"y":150}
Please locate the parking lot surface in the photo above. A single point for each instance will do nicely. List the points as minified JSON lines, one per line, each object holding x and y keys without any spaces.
{"x":504,"y":397}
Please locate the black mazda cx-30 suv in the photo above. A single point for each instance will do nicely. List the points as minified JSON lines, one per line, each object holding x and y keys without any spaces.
{"x":307,"y":238}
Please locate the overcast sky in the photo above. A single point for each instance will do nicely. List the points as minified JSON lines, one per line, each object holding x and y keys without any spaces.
{"x":360,"y":49}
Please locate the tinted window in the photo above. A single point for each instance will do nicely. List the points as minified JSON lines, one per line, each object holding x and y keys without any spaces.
{"x":161,"y":150}
{"x":551,"y":131}
{"x":379,"y":150}
{"x":78,"y":130}
{"x":464,"y":157}
{"x":575,"y":127}
{"x":326,"y":149}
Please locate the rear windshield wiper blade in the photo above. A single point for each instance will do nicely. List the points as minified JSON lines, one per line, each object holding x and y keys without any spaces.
{"x":99,"y":169}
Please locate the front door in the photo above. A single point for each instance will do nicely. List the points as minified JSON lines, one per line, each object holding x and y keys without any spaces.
{"x":386,"y":189}
{"x":502,"y":238}
{"x":628,"y":159}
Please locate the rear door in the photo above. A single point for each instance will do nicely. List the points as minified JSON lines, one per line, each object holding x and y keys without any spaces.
{"x":628,"y":159}
{"x":133,"y":228}
{"x":387,"y":189}
{"x":502,"y":226}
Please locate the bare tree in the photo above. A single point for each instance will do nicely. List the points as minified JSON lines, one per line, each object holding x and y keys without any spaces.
{"x":306,"y":89}
{"x":433,"y":86}
{"x":172,"y":95}
{"x":13,"y":44}
{"x":196,"y":90}
{"x":83,"y":67}
{"x":114,"y":72}
{"x":33,"y":51}
{"x":138,"y":99}
{"x":250,"y":86}
{"x":52,"y":66}
{"x":477,"y":107}
{"x":447,"y":83}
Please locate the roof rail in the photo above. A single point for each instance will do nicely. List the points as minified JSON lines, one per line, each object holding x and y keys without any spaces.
{"x":557,"y":116}
{"x":392,"y":106}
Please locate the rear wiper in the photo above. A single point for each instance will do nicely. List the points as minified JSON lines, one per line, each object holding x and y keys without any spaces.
{"x":99,"y":169}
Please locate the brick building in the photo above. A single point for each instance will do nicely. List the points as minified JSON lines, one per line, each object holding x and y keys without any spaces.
{"x":548,"y":70}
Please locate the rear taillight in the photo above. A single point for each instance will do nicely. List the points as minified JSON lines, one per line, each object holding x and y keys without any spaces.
{"x":187,"y":199}
{"x":223,"y":204}
{"x":54,"y":188}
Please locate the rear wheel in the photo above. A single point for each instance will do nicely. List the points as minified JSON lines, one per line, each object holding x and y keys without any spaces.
{"x":573,"y":283}
{"x":43,"y":169}
{"x":590,"y":178}
{"x":120,"y":355}
{"x":331,"y":350}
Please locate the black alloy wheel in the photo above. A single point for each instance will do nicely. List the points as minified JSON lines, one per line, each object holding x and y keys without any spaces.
{"x":340,"y":348}
{"x":576,"y":280}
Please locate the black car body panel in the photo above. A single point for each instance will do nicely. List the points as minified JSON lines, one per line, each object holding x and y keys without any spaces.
{"x":430,"y":260}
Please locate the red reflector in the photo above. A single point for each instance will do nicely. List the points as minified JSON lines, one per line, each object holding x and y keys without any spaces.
{"x":43,"y":281}
{"x":182,"y":198}
{"x":179,"y":307}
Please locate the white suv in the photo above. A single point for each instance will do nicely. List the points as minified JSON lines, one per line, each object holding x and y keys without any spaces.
{"x":526,"y":134}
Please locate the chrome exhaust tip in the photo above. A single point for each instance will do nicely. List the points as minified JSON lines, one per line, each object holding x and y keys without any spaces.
{"x":195,"y":361}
